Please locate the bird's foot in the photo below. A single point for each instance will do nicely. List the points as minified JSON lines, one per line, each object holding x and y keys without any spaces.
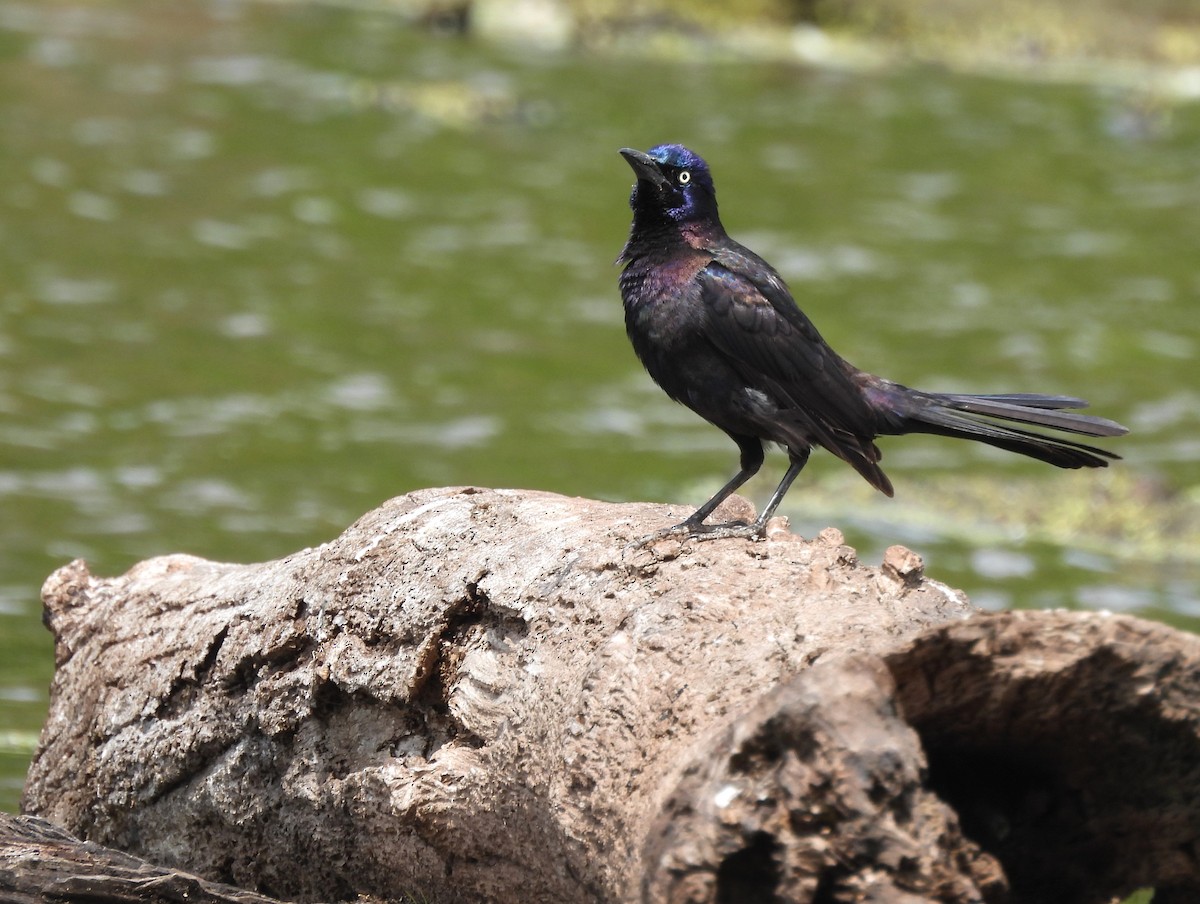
{"x":729,"y":530}
{"x":698,"y":530}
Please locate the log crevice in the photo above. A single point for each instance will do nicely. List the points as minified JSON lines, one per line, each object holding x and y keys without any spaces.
{"x":1068,"y":745}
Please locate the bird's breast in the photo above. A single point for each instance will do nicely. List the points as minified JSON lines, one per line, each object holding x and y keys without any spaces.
{"x":665,"y":286}
{"x":662,"y":310}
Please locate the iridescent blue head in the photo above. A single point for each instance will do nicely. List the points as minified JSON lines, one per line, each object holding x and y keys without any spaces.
{"x":673,"y":183}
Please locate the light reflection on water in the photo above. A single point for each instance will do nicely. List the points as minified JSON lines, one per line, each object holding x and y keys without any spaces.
{"x":264,"y":268}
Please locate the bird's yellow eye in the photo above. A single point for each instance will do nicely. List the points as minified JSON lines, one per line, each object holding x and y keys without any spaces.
{"x":685,"y":177}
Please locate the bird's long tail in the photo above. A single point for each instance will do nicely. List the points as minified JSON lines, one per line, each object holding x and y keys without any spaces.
{"x":989,"y":419}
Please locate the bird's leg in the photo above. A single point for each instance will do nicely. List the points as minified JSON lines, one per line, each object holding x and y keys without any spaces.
{"x":697,"y":517}
{"x":751,"y":461}
{"x":694,"y":526}
{"x":741,"y":530}
{"x":795,"y":466}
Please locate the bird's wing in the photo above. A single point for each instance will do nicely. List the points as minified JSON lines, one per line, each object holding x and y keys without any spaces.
{"x":752,"y":319}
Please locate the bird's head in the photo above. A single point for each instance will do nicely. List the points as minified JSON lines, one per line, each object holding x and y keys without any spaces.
{"x":673,"y":183}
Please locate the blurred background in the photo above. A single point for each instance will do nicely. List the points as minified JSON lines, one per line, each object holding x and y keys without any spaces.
{"x":264,"y":265}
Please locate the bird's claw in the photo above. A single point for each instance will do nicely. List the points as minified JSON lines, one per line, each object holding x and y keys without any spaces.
{"x":728,"y":530}
{"x":698,"y":530}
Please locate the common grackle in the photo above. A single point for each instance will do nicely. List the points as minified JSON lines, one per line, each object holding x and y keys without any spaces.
{"x":718,"y":330}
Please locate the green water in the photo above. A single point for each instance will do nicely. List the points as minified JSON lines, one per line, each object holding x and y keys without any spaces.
{"x":263,"y":267}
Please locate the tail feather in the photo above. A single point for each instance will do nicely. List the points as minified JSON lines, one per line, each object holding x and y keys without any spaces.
{"x":982,"y":418}
{"x":1036,"y":409}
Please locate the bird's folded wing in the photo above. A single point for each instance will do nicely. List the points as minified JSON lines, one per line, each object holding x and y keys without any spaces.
{"x":753,"y":320}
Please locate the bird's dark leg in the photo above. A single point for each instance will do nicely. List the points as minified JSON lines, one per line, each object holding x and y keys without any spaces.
{"x":795,"y":466}
{"x":739,"y":529}
{"x":751,"y":462}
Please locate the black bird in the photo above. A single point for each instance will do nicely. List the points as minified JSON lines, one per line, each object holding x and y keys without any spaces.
{"x":718,"y":330}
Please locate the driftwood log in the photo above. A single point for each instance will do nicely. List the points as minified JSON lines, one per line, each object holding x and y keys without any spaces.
{"x":488,"y":696}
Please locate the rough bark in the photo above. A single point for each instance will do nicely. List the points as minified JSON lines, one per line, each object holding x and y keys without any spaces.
{"x":483,"y":695}
{"x":39,"y":862}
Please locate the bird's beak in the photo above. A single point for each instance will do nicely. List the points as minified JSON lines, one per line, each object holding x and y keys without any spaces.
{"x":645,"y":167}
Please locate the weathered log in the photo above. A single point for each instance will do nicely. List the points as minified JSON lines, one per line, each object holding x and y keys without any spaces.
{"x":482,"y":695}
{"x":39,"y":862}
